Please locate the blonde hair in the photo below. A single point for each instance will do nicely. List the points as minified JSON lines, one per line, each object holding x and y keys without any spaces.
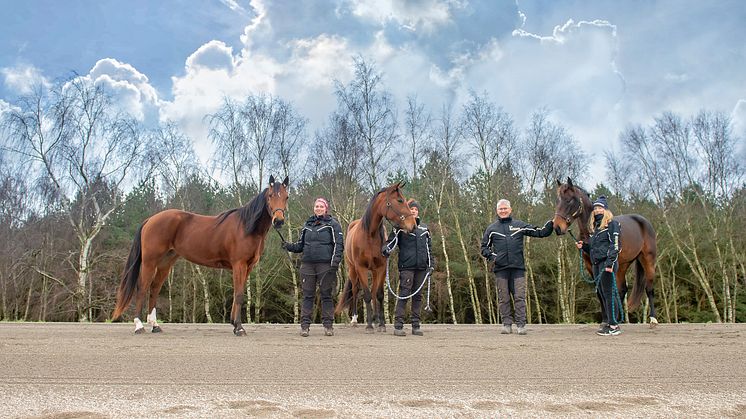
{"x":604,"y":221}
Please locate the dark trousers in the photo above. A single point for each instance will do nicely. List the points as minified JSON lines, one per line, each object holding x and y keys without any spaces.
{"x":409,"y":281}
{"x":323,"y":276}
{"x":611,"y":307}
{"x":511,"y":282}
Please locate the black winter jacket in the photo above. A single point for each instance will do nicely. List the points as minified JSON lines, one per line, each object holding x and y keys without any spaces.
{"x":603,"y":246}
{"x":415,"y":248}
{"x":502,"y":242}
{"x":321,"y":241}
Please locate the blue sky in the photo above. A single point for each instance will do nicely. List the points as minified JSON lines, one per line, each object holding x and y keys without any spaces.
{"x":596,"y":65}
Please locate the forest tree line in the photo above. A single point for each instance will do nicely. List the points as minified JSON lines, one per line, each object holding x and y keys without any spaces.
{"x":79,"y":176}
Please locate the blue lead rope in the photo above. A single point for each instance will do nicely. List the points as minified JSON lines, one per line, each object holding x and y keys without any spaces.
{"x":615,"y":297}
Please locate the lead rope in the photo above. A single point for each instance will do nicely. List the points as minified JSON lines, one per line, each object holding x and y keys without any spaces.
{"x":586,"y":278}
{"x":427,"y":278}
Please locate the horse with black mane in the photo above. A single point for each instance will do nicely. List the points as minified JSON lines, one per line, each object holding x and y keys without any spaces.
{"x":365,"y":238}
{"x":637,"y":239}
{"x":232,"y":240}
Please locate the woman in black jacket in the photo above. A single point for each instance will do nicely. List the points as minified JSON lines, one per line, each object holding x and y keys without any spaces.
{"x":415,"y":262}
{"x":322,"y":245}
{"x":603,"y":248}
{"x":502,"y":243}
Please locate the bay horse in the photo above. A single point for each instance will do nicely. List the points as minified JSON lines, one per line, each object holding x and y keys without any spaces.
{"x":365,"y":238}
{"x":637,"y":239}
{"x":231,"y":240}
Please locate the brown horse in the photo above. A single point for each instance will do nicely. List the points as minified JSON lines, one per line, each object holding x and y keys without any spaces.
{"x":363,"y":245}
{"x":637,"y":239}
{"x":232,"y":240}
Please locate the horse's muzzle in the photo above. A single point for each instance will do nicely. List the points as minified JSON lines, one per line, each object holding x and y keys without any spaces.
{"x":558,"y":231}
{"x":278,"y":223}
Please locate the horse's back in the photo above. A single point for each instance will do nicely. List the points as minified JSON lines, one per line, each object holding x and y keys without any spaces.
{"x":637,"y":234}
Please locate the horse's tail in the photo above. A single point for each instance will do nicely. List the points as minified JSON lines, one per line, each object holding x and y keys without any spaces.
{"x":649,"y":248}
{"x":345,"y":299}
{"x":128,"y":286}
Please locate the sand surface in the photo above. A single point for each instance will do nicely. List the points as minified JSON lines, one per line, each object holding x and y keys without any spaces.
{"x":69,"y":370}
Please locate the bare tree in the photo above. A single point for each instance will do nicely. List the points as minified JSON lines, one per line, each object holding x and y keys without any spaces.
{"x":289,"y":136}
{"x":689,"y":169}
{"x":371,"y":111}
{"x":417,"y":123}
{"x":440,"y":171}
{"x":230,"y":140}
{"x":491,"y":133}
{"x":86,"y":151}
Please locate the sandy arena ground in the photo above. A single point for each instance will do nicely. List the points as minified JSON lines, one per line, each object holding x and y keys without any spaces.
{"x":67,"y":370}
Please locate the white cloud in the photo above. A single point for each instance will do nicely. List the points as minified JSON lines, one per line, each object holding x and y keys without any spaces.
{"x":23,"y":78}
{"x":214,"y":55}
{"x":738,"y":121}
{"x":423,"y":15}
{"x":256,"y":25}
{"x":132,"y":90}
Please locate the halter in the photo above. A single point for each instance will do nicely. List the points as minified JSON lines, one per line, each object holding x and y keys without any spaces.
{"x":568,"y":218}
{"x":275,"y":210}
{"x":388,"y":208}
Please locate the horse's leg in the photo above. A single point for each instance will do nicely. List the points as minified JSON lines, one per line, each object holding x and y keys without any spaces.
{"x":354,"y":288}
{"x":240,"y":271}
{"x":648,"y":266}
{"x":378,"y":284}
{"x":147,"y":271}
{"x":363,"y":280}
{"x":621,"y":286}
{"x":164,"y":268}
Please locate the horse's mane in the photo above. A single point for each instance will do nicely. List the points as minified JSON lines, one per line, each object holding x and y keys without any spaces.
{"x":250,"y":214}
{"x":368,"y":216}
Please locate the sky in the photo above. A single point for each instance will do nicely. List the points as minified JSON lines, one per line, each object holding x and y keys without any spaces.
{"x":596,"y":66}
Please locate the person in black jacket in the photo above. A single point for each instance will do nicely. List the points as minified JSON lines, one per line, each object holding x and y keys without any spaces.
{"x":502,"y":244}
{"x":603,"y":248}
{"x":322,"y":245}
{"x":415,"y":263}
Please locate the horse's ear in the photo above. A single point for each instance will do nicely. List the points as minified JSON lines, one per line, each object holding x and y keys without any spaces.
{"x":559,"y":183}
{"x":569,"y":182}
{"x":286,"y":182}
{"x":271,"y":180}
{"x":402,"y":183}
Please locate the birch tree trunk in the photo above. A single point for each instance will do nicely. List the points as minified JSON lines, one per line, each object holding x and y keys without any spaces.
{"x":472,"y":285}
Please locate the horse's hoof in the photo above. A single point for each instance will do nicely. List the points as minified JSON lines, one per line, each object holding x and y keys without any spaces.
{"x":382,"y":329}
{"x":140,"y":331}
{"x":239,"y":332}
{"x":653,"y":322}
{"x":369,"y":329}
{"x":157,"y":329}
{"x":353,"y":324}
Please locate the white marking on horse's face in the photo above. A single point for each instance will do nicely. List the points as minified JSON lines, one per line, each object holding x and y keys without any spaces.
{"x":138,"y":324}
{"x":152,"y":318}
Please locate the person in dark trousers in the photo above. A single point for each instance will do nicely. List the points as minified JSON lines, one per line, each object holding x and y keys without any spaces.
{"x":322,"y":245}
{"x":603,"y":248}
{"x":502,"y":244}
{"x":416,"y":261}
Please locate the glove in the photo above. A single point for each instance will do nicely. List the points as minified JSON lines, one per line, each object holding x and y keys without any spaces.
{"x":385,"y":252}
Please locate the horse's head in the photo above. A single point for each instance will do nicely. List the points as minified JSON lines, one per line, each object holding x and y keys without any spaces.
{"x":569,"y":206}
{"x":396,"y":208}
{"x":277,"y":200}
